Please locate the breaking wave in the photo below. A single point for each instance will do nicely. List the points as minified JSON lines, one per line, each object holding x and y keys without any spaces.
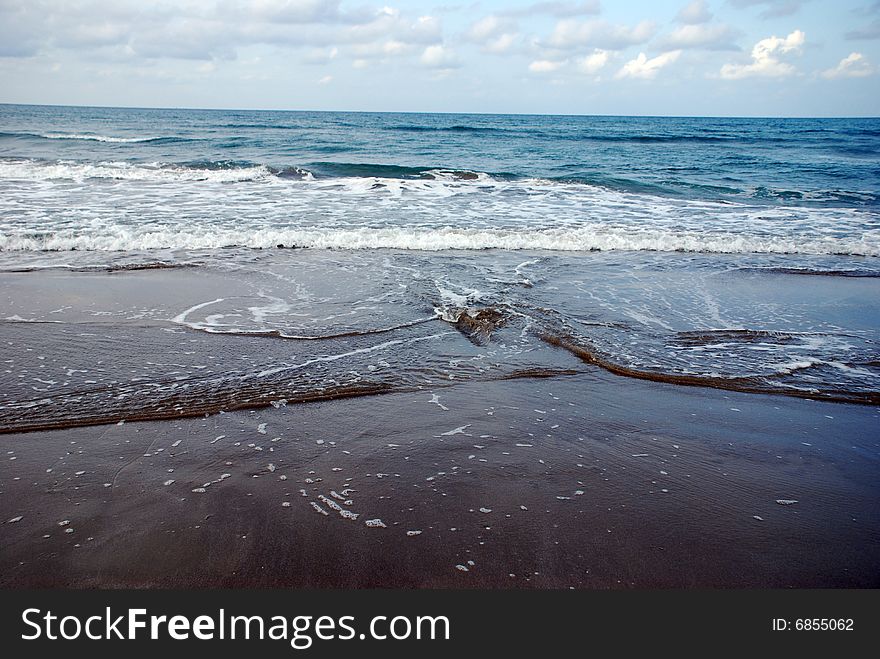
{"x":229,"y":171}
{"x":32,"y":170}
{"x":92,"y":137}
{"x":582,"y":239}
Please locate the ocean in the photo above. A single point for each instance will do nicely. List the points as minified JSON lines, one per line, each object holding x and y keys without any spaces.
{"x":206,"y":179}
{"x":730,"y":253}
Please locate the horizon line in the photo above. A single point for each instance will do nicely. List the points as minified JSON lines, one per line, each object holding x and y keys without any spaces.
{"x":449,"y":112}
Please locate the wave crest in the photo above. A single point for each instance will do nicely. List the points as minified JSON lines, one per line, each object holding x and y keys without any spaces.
{"x":581,"y":239}
{"x":93,"y":137}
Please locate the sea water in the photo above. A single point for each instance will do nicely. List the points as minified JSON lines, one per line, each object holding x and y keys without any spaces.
{"x":430,"y":248}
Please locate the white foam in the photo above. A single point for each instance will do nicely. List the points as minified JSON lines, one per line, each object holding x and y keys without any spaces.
{"x":374,"y":213}
{"x":318,"y":508}
{"x":456,"y":431}
{"x":181,"y":317}
{"x":30,"y":170}
{"x":435,"y":399}
{"x":346,"y":514}
{"x":332,"y":358}
{"x":790,"y":367}
{"x":581,"y":239}
{"x":448,"y":175}
{"x":18,"y":319}
{"x":96,"y":138}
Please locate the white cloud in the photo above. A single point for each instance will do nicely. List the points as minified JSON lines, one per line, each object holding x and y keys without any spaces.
{"x":489,"y":27}
{"x":708,"y":37}
{"x":854,"y":65}
{"x":765,"y":58}
{"x":642,"y":67}
{"x":544,"y":66}
{"x":695,"y":13}
{"x":570,"y":33}
{"x":391,"y":24}
{"x":588,"y":65}
{"x":439,"y":57}
{"x":493,"y":33}
{"x":593,"y":63}
{"x":326,"y":80}
{"x":502,"y":44}
{"x":200,"y":29}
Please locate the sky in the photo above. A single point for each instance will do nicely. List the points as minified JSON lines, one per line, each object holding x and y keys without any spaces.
{"x":664,"y":57}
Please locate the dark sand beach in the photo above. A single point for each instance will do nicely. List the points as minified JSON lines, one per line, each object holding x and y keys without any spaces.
{"x":544,"y":471}
{"x":639,"y":485}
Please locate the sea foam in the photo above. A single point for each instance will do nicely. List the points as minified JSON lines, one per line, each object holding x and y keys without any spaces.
{"x":96,"y":138}
{"x":583,"y":239}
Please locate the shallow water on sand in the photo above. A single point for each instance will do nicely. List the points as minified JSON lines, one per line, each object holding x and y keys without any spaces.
{"x":87,"y":345}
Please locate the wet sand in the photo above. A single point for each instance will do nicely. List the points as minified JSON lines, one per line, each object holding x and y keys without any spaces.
{"x":583,"y":481}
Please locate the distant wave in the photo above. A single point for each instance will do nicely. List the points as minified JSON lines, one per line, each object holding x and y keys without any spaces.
{"x":379,"y":176}
{"x":416,"y":128}
{"x":857,"y":151}
{"x":578,"y":239}
{"x":571,"y":135}
{"x":647,"y":139}
{"x":100,"y":138}
{"x":260,"y":126}
{"x":703,"y":137}
{"x":227,"y":171}
{"x":95,"y":138}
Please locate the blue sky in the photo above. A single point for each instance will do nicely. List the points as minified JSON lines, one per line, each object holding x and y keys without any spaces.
{"x":673,"y":57}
